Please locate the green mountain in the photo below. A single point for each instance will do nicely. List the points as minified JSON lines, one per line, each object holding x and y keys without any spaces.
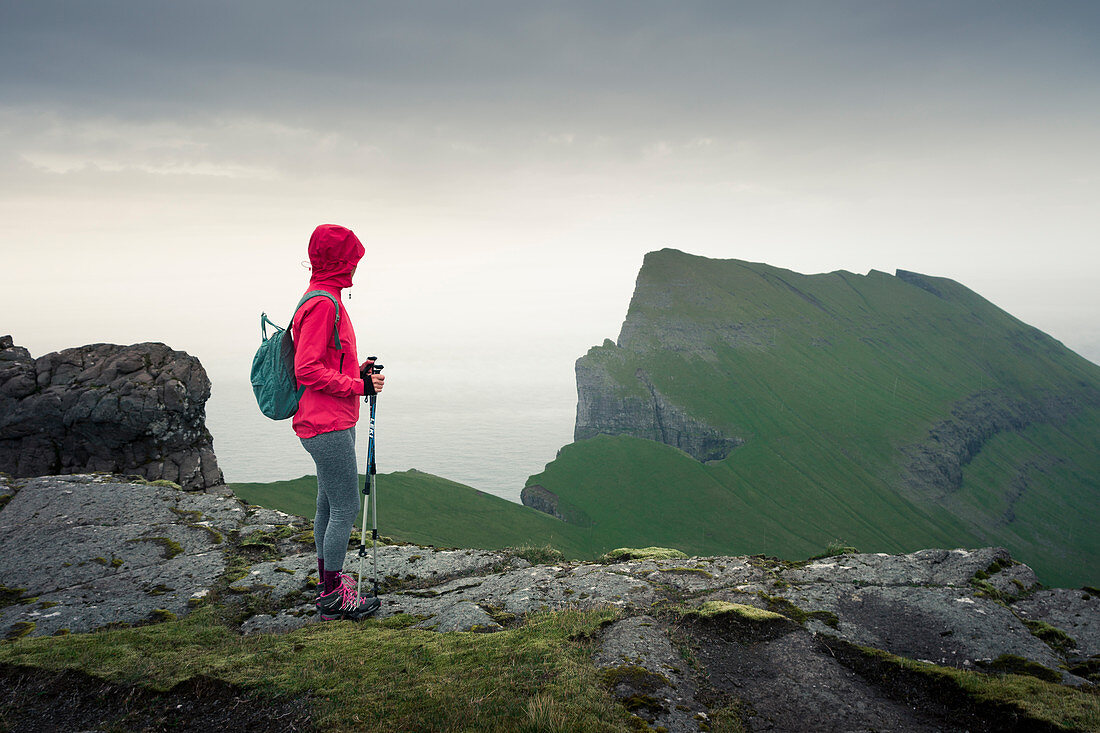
{"x":751,"y":409}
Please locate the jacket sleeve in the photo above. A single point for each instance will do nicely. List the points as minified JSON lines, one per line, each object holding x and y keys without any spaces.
{"x":314,"y":339}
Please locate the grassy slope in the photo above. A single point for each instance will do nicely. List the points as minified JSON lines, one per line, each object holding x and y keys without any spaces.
{"x":1046,"y":458}
{"x":828,"y":377}
{"x":418,"y":507}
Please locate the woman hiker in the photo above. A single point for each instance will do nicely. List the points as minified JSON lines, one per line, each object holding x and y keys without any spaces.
{"x":334,"y":382}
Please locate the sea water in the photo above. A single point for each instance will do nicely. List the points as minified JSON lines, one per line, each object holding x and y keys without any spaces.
{"x":491,"y":437}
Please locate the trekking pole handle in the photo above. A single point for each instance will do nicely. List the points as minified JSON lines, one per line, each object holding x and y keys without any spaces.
{"x":373,"y":369}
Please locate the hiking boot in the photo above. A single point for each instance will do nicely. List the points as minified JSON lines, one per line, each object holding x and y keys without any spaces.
{"x":344,"y":602}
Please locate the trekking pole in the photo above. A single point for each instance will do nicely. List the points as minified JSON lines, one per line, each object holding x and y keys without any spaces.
{"x":371,"y":497}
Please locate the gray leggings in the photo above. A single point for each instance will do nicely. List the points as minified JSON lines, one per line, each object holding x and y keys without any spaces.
{"x":337,"y":493}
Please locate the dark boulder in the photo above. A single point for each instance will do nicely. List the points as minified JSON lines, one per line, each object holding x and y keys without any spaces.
{"x":137,"y":409}
{"x":542,"y":499}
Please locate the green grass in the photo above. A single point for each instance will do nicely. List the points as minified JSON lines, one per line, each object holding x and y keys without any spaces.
{"x":374,"y":675}
{"x":709,"y":509}
{"x":544,"y":555}
{"x":1052,"y":528}
{"x":827,"y":377}
{"x":418,"y":507}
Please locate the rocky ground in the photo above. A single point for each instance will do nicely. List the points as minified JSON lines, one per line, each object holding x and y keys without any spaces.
{"x":777,"y":645}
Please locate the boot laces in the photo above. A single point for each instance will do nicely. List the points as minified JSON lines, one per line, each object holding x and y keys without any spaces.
{"x":349,"y":599}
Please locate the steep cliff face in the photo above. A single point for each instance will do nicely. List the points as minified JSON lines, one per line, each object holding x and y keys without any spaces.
{"x":639,"y":409}
{"x":896,"y":411}
{"x":131,"y":409}
{"x":623,"y":387}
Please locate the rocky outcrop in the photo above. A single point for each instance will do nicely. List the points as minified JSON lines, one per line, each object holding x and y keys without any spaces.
{"x":541,"y":499}
{"x":607,"y":407}
{"x":934,"y":467}
{"x":129,"y":409}
{"x":801,"y":646}
{"x":794,"y":645}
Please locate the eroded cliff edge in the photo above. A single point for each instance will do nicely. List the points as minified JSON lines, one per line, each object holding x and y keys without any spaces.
{"x":611,"y":403}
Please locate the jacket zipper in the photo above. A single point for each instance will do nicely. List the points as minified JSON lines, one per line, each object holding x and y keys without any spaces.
{"x":341,"y":363}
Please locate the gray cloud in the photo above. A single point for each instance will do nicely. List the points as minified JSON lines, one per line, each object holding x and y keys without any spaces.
{"x":958,"y":138}
{"x":581,"y":61}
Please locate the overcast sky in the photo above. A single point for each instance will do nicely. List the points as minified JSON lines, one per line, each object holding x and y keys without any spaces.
{"x":508,"y":164}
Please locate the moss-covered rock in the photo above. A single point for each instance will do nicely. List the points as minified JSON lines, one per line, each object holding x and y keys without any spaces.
{"x":622,"y":554}
{"x":10,"y":596}
{"x":1014,"y":664}
{"x":20,"y":629}
{"x":725,"y":609}
{"x":160,"y":615}
{"x":1052,"y":636}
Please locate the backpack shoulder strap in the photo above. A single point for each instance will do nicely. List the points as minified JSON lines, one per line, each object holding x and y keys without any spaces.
{"x":336,"y":326}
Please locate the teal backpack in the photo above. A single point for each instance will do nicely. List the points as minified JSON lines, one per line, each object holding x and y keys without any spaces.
{"x":273,"y":381}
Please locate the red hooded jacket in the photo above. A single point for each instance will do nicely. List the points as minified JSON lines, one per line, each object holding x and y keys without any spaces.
{"x":330,"y":375}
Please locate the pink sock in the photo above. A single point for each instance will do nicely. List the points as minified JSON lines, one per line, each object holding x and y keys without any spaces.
{"x":320,"y":568}
{"x":332,"y":580}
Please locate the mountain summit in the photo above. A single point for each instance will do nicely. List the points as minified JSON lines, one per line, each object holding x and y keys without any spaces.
{"x":748,"y":408}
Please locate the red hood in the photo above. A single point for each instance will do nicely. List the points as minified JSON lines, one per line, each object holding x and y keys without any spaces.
{"x":334,"y":251}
